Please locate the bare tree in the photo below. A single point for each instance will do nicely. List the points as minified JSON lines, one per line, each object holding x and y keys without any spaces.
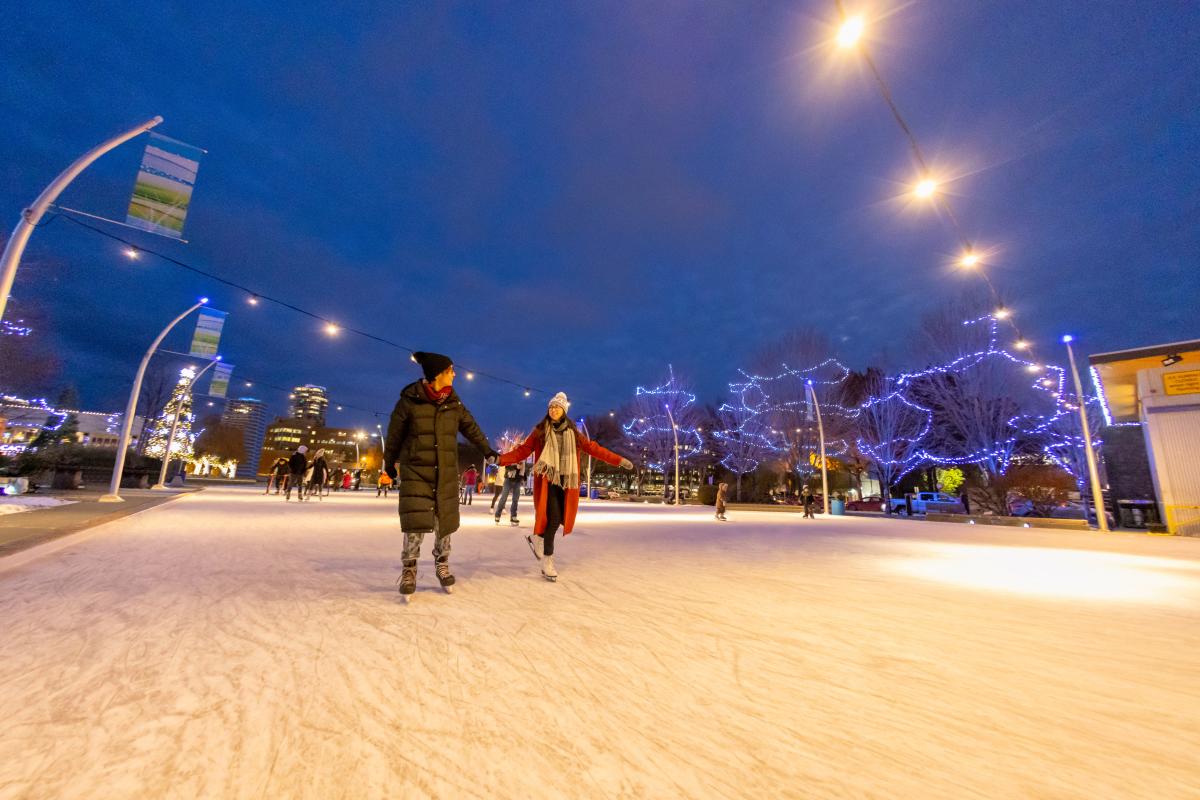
{"x":891,"y":430}
{"x":738,"y":438}
{"x":648,"y":431}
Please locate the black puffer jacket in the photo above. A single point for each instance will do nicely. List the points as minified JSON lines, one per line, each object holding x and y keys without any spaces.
{"x":423,"y":437}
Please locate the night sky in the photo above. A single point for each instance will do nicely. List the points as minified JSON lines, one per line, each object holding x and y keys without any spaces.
{"x":575,"y":194}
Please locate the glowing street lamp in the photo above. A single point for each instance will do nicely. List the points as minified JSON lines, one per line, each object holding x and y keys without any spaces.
{"x":1002,"y":313}
{"x":1093,"y":471}
{"x":131,"y":253}
{"x":969,"y":259}
{"x":851,"y":31}
{"x":925,"y":188}
{"x":331,"y":329}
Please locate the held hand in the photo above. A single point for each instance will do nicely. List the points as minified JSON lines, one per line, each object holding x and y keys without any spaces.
{"x":627,"y":464}
{"x":492,"y":457}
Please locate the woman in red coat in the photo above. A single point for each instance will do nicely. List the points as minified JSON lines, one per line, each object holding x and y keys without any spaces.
{"x":556,"y":444}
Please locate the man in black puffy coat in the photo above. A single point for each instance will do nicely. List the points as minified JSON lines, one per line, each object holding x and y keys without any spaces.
{"x":423,"y":436}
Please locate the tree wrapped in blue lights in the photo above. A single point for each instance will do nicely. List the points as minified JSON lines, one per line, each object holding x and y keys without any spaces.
{"x":648,"y":431}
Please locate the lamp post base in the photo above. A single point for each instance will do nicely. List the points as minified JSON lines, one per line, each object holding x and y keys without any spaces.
{"x":159,"y":486}
{"x":111,"y":498}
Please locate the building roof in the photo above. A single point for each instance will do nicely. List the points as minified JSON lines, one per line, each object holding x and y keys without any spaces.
{"x":1115,"y":374}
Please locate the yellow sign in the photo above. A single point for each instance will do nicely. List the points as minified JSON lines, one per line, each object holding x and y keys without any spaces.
{"x":1182,"y":382}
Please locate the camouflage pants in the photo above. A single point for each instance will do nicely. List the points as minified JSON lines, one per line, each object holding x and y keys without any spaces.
{"x":412,"y":546}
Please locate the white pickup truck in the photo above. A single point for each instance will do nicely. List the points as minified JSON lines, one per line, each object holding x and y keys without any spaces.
{"x":925,"y":501}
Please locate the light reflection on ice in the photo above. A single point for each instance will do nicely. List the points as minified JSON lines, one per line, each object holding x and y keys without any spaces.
{"x":1048,"y":572}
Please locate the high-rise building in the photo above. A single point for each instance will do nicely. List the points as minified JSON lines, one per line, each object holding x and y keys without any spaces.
{"x":309,"y":402}
{"x":344,"y":447}
{"x":250,"y":416}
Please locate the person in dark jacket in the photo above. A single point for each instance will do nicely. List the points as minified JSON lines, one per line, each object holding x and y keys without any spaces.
{"x":319,"y":475}
{"x":278,"y":476}
{"x":807,"y":498}
{"x":297,"y":466}
{"x":423,"y":437}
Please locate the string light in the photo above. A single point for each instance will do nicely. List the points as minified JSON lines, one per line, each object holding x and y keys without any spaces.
{"x":131,"y":253}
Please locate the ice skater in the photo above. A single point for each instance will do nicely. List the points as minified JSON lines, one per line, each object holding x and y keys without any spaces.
{"x":423,"y":435}
{"x":722,"y":491}
{"x":514,"y":478}
{"x":297,"y":466}
{"x":807,"y":498}
{"x":556,"y":444}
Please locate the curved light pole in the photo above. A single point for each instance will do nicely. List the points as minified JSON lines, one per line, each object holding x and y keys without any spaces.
{"x":821,"y":433}
{"x":114,"y":488}
{"x":1093,"y":471}
{"x":30,"y":217}
{"x":162,"y":472}
{"x":675,"y":433}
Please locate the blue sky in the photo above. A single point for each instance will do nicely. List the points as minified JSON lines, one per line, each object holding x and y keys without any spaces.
{"x":576,"y":194}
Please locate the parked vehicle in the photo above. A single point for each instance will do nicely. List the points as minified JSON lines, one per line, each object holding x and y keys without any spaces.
{"x":923,"y":502}
{"x":872,"y":503}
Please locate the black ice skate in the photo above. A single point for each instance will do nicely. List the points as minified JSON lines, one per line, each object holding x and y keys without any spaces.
{"x":444,"y":577}
{"x":516,"y":523}
{"x":408,"y":583}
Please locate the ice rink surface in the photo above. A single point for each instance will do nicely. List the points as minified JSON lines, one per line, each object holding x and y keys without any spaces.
{"x":231,"y":645}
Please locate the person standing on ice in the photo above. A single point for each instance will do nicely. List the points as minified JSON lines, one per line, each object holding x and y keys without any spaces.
{"x":556,"y":444}
{"x":297,"y":466}
{"x":722,"y":491}
{"x":514,"y":479}
{"x":468,"y":484}
{"x":423,"y":436}
{"x":807,"y":498}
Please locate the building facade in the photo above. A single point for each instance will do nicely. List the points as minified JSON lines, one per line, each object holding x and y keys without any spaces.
{"x":344,"y":447}
{"x":22,"y":420}
{"x":248,"y":415}
{"x":309,"y":402}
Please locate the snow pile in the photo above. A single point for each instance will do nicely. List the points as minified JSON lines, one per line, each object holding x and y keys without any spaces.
{"x":19,"y":503}
{"x":229,"y":644}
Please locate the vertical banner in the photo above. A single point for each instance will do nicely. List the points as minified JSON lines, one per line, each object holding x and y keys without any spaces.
{"x":207,"y":337}
{"x":163,"y":189}
{"x":220,"y":380}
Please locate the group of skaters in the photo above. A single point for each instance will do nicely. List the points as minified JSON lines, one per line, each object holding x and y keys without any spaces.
{"x":309,"y":478}
{"x":510,"y":481}
{"x":420,"y":455}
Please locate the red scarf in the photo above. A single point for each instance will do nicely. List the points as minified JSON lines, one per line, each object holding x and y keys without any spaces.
{"x":435,"y":396}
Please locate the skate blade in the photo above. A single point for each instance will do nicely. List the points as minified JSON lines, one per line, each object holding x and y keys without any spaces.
{"x":406,"y":598}
{"x":448,"y":589}
{"x":529,"y":541}
{"x":551,"y":578}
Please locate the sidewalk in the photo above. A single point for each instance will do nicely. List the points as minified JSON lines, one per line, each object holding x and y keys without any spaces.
{"x":30,"y":528}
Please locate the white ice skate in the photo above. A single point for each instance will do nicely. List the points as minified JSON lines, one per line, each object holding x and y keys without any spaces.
{"x":537,"y":544}
{"x":548,"y":570}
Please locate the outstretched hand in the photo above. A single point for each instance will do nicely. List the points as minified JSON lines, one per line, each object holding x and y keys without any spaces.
{"x":627,"y":464}
{"x":492,"y":457}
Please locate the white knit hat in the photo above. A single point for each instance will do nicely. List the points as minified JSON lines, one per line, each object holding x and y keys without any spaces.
{"x":561,"y":401}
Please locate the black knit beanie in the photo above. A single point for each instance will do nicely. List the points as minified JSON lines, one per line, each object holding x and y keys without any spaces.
{"x":432,"y":364}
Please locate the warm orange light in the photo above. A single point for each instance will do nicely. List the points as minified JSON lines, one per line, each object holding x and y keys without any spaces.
{"x":1002,"y":313}
{"x":331,"y":329}
{"x":925,"y":188}
{"x":969,"y":260}
{"x":1021,"y":344}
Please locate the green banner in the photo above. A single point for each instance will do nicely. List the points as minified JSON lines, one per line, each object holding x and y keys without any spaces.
{"x":207,"y":337}
{"x":220,"y":380}
{"x":164,"y":184}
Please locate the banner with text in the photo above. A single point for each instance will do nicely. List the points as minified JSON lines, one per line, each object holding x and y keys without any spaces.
{"x":207,"y":337}
{"x":220,"y":380}
{"x":164,"y":184}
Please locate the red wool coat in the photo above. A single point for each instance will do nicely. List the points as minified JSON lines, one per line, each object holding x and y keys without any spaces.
{"x":533,"y":445}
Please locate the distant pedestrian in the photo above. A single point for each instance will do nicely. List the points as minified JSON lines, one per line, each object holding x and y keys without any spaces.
{"x":468,"y":486}
{"x":347,"y":480}
{"x":513,"y":480}
{"x":297,"y":466}
{"x":335,"y":478}
{"x":807,"y":499}
{"x":384,"y":484}
{"x":556,"y":444}
{"x":318,"y":474}
{"x":722,"y":490}
{"x":423,"y":431}
{"x":278,"y":475}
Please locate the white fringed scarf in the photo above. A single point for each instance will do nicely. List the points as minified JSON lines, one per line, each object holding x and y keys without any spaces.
{"x":558,"y":463}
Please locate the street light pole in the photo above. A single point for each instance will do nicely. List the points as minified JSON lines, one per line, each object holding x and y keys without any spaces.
{"x":162,"y":471}
{"x":1093,"y":470}
{"x":674,"y":433}
{"x":11,"y":258}
{"x":114,"y":488}
{"x":821,"y":433}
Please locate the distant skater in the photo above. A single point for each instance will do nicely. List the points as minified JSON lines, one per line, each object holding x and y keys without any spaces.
{"x":807,"y":499}
{"x":722,"y":490}
{"x":385,"y":483}
{"x":514,"y":479}
{"x":297,"y":466}
{"x":556,"y":444}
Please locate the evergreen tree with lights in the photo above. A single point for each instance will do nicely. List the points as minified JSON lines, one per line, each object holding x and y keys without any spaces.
{"x":181,"y":401}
